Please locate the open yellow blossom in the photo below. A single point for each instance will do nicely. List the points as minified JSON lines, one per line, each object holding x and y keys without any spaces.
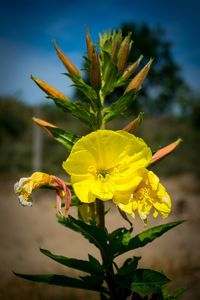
{"x":149,"y":195}
{"x":26,"y":185}
{"x":104,"y":162}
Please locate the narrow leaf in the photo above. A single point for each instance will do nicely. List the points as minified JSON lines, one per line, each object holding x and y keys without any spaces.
{"x":82,"y":265}
{"x":62,"y":280}
{"x":119,"y":106}
{"x":110,"y":74}
{"x":67,"y":138}
{"x":94,"y":234}
{"x":146,"y":237}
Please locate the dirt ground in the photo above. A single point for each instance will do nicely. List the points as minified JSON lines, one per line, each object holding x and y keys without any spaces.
{"x":24,"y":230}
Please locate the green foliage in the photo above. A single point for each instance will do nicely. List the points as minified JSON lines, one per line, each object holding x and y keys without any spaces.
{"x":88,"y":282}
{"x":64,"y":137}
{"x":119,"y":107}
{"x":87,"y":90}
{"x":92,"y":266}
{"x":127,"y":279}
{"x":139,"y":240}
{"x":80,"y":110}
{"x":110,"y":74}
{"x":94,"y":234}
{"x":148,"y":281}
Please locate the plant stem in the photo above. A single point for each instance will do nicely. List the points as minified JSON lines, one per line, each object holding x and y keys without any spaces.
{"x":100,"y":213}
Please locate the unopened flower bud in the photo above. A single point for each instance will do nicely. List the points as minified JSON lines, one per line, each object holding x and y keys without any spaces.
{"x":123,"y":54}
{"x":116,"y":45}
{"x":133,"y":125}
{"x":48,"y":89}
{"x":90,"y":46}
{"x":136,"y":82}
{"x":72,"y":69}
{"x":165,"y":151}
{"x":44,"y":124}
{"x":127,"y":73}
{"x":95,"y":74}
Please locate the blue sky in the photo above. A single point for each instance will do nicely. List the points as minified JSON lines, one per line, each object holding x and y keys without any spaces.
{"x":28,"y":27}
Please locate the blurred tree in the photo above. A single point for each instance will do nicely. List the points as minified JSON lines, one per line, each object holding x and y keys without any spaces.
{"x":15,"y":135}
{"x":15,"y":119}
{"x":163,"y":83}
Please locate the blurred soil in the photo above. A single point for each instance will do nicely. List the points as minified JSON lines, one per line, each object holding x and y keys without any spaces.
{"x":24,"y":230}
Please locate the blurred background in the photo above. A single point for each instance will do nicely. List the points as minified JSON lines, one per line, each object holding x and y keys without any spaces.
{"x":170,"y":99}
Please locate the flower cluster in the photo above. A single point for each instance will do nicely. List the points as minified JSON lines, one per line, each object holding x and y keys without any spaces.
{"x":111,"y":165}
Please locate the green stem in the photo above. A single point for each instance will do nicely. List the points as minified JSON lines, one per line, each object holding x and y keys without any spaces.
{"x":100,"y":213}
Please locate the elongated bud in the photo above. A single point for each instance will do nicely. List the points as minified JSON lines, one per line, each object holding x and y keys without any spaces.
{"x":44,"y":124}
{"x":72,"y":69}
{"x":133,"y":125}
{"x":123,"y":54}
{"x":48,"y":89}
{"x":95,"y":74}
{"x":116,"y":46}
{"x":90,"y":46}
{"x":127,"y":73}
{"x":165,"y":151}
{"x":136,"y":82}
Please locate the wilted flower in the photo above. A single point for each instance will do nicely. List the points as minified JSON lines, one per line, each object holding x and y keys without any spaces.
{"x":26,"y":185}
{"x":149,"y":195}
{"x":104,"y":162}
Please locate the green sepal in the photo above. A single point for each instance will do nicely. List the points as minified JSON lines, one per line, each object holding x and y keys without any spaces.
{"x":94,"y":234}
{"x":146,"y":281}
{"x":92,"y":266}
{"x":67,"y":138}
{"x":88,"y":282}
{"x":144,"y":237}
{"x":119,"y":107}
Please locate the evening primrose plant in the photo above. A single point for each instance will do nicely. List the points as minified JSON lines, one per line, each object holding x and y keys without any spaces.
{"x":105,"y":166}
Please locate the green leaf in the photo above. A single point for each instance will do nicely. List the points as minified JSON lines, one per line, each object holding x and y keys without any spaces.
{"x":110,"y":74}
{"x":79,"y":111}
{"x":171,"y":295}
{"x":88,"y":282}
{"x":148,"y":281}
{"x":145,"y":237}
{"x":87,"y":90}
{"x":118,"y":239}
{"x":125,"y":274}
{"x":90,"y":266}
{"x":128,"y":267}
{"x":66,"y":138}
{"x":119,"y":106}
{"x":94,"y":234}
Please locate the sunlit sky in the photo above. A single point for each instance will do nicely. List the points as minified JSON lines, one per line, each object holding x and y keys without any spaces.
{"x":27,"y":28}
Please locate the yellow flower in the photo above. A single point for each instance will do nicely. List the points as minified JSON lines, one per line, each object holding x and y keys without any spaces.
{"x":104,"y":162}
{"x":150,"y":194}
{"x":25,"y":186}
